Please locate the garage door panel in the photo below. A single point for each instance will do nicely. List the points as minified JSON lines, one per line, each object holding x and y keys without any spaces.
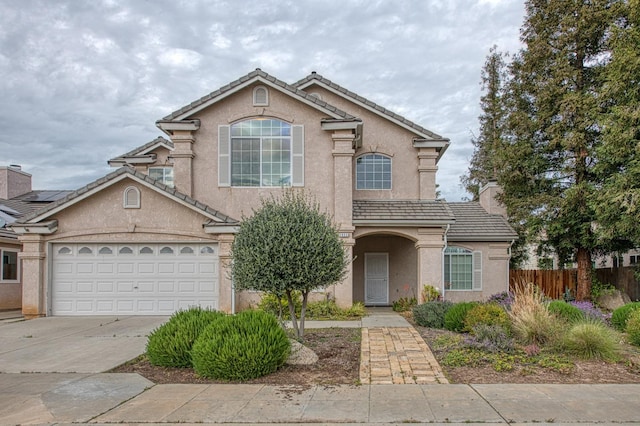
{"x":144,"y":279}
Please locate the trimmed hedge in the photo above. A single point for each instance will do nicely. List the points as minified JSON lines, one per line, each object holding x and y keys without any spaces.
{"x":456,"y":315}
{"x":170,"y":344}
{"x":487,"y":314}
{"x":241,"y":347}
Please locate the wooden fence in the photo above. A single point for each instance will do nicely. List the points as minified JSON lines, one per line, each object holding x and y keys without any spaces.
{"x":554,"y":282}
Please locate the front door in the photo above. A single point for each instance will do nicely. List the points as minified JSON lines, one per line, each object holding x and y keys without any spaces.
{"x":376,"y":278}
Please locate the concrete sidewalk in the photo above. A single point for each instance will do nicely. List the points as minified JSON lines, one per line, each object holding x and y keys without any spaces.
{"x":111,"y":398}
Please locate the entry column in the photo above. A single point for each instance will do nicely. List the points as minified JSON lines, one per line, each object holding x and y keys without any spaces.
{"x":429,"y":246}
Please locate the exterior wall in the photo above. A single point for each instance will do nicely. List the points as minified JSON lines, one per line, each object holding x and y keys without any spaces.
{"x":11,"y":291}
{"x":235,"y":201}
{"x":495,"y":271}
{"x":383,"y":137}
{"x":403,"y":259}
{"x":13,"y":182}
{"x":102,"y":218}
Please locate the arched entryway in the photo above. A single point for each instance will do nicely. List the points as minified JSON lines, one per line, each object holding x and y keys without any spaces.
{"x":384,"y":269}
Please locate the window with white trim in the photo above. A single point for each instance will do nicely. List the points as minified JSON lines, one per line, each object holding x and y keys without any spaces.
{"x":462,"y":269}
{"x":373,"y":171}
{"x":162,"y":174}
{"x":261,"y":153}
{"x":9,"y":266}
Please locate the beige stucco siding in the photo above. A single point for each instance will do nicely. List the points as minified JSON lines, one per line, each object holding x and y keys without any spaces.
{"x":236,"y":201}
{"x":384,"y":137}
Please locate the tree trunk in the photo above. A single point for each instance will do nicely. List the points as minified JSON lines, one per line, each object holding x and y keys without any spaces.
{"x":303,"y":311}
{"x":292,"y":311}
{"x":583,"y":291}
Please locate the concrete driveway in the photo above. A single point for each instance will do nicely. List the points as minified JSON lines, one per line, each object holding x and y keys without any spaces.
{"x":73,"y":344}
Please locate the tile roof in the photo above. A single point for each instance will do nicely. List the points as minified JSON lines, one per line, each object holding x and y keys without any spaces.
{"x":474,"y":223}
{"x":315,"y":77}
{"x":394,"y":211}
{"x":143,"y":148}
{"x":8,"y":234}
{"x":257,"y":73}
{"x":42,"y":196}
{"x":128,"y":170}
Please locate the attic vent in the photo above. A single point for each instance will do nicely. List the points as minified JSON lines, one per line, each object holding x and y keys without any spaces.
{"x":131,"y":198}
{"x":260,"y":96}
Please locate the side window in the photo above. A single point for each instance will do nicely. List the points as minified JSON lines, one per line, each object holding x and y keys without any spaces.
{"x":162,"y":174}
{"x":9,"y":266}
{"x":131,"y":198}
{"x":373,"y":171}
{"x":462,"y":269}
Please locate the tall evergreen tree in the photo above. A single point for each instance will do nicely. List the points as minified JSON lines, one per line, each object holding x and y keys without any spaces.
{"x":617,"y":205}
{"x":484,"y":166}
{"x":553,"y":133}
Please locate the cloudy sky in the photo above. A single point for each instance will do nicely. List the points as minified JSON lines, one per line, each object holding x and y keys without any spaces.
{"x":82,"y":81}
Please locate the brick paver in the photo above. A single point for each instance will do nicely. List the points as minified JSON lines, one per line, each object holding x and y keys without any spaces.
{"x":397,"y":355}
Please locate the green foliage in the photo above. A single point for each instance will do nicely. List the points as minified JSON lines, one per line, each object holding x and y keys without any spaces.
{"x":565,"y":311}
{"x":491,"y":337}
{"x":531,"y":321}
{"x":487,"y":314}
{"x":431,"y":314}
{"x":633,"y":327}
{"x":599,"y":288}
{"x":454,"y":319}
{"x":241,"y":347}
{"x":404,"y":304}
{"x":620,"y":315}
{"x":326,"y":309}
{"x":170,"y":344}
{"x":592,"y":339}
{"x":430,"y":293}
{"x":288,"y":245}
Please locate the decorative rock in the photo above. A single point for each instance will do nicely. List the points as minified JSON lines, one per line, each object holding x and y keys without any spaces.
{"x":613,"y":300}
{"x":301,"y":355}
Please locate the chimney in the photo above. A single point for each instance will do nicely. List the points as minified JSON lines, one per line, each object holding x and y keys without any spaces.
{"x":13,"y":182}
{"x":489,"y":200}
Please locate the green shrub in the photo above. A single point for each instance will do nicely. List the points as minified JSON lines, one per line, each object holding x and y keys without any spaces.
{"x":592,"y":339}
{"x":487,"y":314}
{"x":241,"y":347}
{"x":633,"y":327}
{"x":280,"y":306}
{"x":491,"y":337}
{"x":620,"y":315}
{"x":329,"y":310}
{"x":565,"y":311}
{"x":170,"y":344}
{"x":431,"y":314}
{"x":404,"y":304}
{"x":430,"y":293}
{"x":456,"y":315}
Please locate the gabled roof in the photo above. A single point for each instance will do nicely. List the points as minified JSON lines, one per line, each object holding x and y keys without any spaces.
{"x":254,"y":76}
{"x":117,"y":176}
{"x":141,"y":151}
{"x":315,"y":78}
{"x":473,"y":223}
{"x":401,"y":212}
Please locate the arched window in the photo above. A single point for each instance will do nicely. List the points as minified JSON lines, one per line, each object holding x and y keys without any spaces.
{"x":186,"y":250}
{"x":166,"y":250}
{"x":462,"y":269}
{"x":85,"y":250}
{"x":146,"y":250}
{"x":64,"y":250}
{"x":131,"y":198}
{"x":260,"y":96}
{"x":373,"y":171}
{"x":206,"y":250}
{"x":105,"y":250}
{"x":125,"y":250}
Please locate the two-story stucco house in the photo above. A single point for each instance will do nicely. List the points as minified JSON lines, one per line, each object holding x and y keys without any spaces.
{"x":154,"y":236}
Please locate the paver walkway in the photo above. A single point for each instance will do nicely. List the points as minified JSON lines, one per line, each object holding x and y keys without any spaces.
{"x":396,"y":355}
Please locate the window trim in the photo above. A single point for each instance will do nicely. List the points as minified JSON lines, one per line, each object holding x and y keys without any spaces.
{"x":163,"y":179}
{"x":475,"y":265}
{"x":2,"y":279}
{"x":384,"y":157}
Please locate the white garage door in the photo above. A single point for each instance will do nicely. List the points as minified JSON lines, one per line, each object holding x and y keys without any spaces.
{"x":133,"y":279}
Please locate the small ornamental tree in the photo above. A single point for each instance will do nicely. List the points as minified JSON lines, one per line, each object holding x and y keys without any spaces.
{"x":288,"y":246}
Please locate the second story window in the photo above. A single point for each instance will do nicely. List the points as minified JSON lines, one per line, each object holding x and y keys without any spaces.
{"x":162,"y":174}
{"x":373,"y":171}
{"x":261,"y":153}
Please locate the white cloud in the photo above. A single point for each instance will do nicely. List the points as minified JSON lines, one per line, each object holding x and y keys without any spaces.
{"x":180,"y":58}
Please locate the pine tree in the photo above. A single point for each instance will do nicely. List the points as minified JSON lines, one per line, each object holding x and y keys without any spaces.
{"x":547,"y":166}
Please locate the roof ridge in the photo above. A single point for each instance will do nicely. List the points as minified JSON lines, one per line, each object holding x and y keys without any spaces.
{"x":135,"y":151}
{"x":251,"y":75}
{"x":317,"y":77}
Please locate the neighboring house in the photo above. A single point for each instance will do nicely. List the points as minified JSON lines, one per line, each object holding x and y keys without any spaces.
{"x":16,"y":200}
{"x":155,"y":235}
